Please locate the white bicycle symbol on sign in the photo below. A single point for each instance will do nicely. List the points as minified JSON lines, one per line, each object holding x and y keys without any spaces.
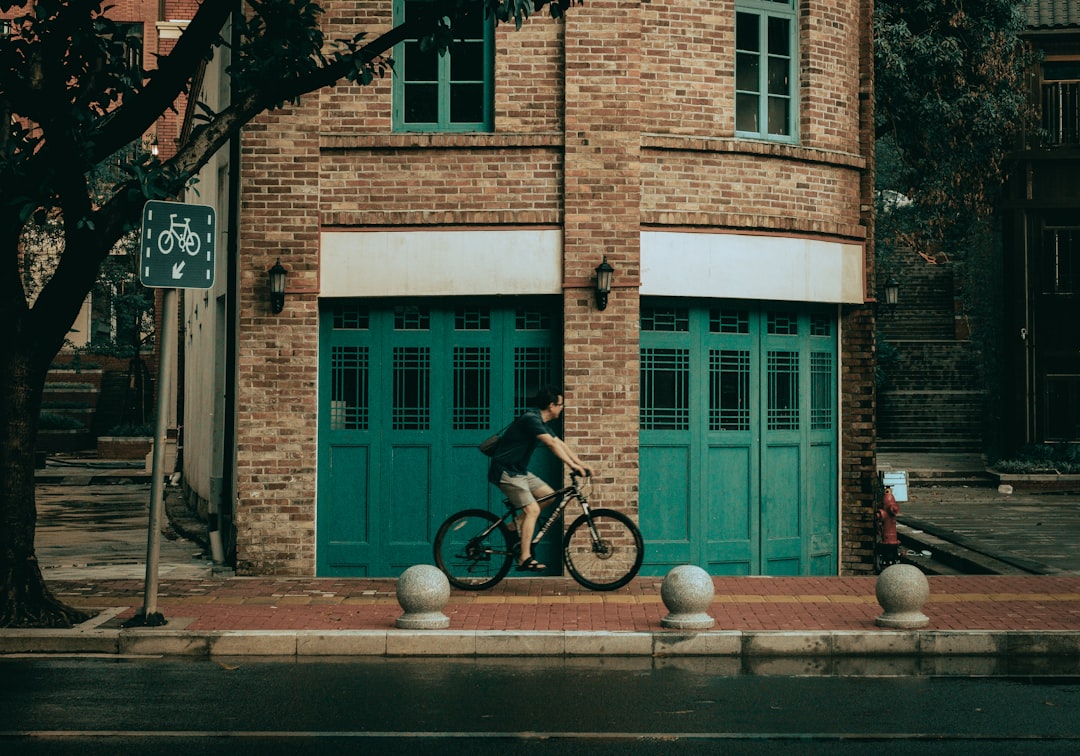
{"x":181,"y":234}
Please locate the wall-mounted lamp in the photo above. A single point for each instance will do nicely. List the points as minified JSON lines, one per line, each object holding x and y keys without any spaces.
{"x":604,"y":272}
{"x":892,"y":292}
{"x":5,"y":27}
{"x":277,"y":287}
{"x":154,"y":146}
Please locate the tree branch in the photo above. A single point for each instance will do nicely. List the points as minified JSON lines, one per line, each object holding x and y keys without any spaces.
{"x":343,"y":68}
{"x":137,"y":114}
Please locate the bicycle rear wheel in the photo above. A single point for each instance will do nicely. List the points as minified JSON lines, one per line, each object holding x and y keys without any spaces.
{"x":474,"y":549}
{"x":612,"y":558}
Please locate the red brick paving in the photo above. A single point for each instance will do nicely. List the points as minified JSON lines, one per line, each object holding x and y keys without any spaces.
{"x":993,"y":602}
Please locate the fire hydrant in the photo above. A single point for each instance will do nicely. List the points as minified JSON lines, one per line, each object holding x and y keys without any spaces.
{"x":887,"y":549}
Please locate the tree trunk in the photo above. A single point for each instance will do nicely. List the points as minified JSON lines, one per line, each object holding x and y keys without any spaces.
{"x":25,"y":600}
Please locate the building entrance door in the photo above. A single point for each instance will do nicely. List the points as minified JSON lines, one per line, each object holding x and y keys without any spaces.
{"x":738,"y":438}
{"x":406,"y":393}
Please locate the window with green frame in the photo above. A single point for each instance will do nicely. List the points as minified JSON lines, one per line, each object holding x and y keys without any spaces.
{"x":451,"y":92}
{"x":765,"y":42}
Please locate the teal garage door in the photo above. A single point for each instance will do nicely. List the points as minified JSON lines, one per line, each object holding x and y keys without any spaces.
{"x":738,"y":439}
{"x":406,"y":392}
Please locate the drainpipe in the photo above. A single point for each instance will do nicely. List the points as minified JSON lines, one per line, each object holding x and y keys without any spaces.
{"x":1026,"y":334}
{"x":223,"y":548}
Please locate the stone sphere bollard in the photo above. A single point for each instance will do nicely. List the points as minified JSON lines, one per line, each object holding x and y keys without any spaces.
{"x":902,"y":590}
{"x":422,"y":591}
{"x":687,"y":592}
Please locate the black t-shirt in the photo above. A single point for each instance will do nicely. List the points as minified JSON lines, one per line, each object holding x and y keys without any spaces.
{"x":517,"y":445}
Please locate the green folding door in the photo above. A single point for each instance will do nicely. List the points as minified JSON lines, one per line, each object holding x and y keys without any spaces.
{"x":406,"y":392}
{"x":738,"y":438}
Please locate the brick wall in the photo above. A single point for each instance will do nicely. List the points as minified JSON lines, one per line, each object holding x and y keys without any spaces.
{"x":601,"y":218}
{"x":688,"y":183}
{"x":278,"y":354}
{"x":858,"y":458}
{"x":618,"y":118}
{"x":478,"y":180}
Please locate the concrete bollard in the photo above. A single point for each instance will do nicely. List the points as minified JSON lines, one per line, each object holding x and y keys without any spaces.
{"x":687,"y":592}
{"x":902,"y":590}
{"x":422,"y":591}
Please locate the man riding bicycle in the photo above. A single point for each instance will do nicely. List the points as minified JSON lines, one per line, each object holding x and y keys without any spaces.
{"x":509,"y":467}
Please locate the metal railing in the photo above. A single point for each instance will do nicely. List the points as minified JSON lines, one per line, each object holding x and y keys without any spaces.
{"x":1061,"y":113}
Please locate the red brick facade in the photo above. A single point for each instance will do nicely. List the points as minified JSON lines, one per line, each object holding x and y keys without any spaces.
{"x":618,"y":120}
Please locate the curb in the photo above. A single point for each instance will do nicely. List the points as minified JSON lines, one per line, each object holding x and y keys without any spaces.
{"x":964,"y":553}
{"x":1057,"y":650}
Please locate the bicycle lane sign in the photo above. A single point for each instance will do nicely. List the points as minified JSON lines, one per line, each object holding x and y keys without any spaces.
{"x":177,"y":245}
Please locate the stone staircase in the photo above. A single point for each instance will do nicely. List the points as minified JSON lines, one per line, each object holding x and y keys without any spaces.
{"x":932,"y":399}
{"x":68,"y":406}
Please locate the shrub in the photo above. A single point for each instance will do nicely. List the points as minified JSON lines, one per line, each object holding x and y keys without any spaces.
{"x":130,"y":430}
{"x":56,"y":421}
{"x":1063,"y":459}
{"x":75,"y":364}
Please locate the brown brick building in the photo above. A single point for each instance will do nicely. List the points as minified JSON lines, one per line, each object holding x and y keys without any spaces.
{"x":441,"y":229}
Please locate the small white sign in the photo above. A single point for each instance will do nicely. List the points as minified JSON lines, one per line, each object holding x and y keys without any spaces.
{"x":897,"y":481}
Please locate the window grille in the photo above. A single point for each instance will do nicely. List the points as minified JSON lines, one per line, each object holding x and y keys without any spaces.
{"x":472,"y":388}
{"x":533,"y":369}
{"x":729,"y":321}
{"x":783,"y":371}
{"x":349,"y":371}
{"x":729,"y":390}
{"x":412,"y":388}
{"x":821,"y":391}
{"x":665,"y":389}
{"x":665,"y":319}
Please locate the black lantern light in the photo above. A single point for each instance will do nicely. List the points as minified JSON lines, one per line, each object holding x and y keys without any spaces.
{"x":604,"y":271}
{"x":277,"y":287}
{"x":892,"y":292}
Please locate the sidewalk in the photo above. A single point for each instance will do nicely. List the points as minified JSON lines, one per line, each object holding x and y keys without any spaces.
{"x":992,"y":616}
{"x":998,"y":617}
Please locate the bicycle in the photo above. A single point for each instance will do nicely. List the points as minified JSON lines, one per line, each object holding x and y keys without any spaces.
{"x":603,"y":548}
{"x":186,"y":239}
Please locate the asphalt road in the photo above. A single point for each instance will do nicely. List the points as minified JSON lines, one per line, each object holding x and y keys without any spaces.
{"x":613,"y":705}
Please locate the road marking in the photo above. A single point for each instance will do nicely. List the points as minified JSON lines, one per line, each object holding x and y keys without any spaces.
{"x":536,"y":735}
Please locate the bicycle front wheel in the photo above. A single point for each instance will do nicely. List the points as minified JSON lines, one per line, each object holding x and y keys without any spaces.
{"x":474,"y":549}
{"x":608,"y":558}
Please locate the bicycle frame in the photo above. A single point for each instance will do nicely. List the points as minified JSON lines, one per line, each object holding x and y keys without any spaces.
{"x":567,"y":493}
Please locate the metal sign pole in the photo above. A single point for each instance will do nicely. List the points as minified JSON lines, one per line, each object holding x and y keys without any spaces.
{"x":149,"y":616}
{"x":177,"y":243}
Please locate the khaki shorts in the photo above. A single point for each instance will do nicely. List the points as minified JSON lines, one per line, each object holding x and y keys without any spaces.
{"x":523,"y":490}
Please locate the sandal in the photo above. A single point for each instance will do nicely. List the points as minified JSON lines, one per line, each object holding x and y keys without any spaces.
{"x":531,"y":565}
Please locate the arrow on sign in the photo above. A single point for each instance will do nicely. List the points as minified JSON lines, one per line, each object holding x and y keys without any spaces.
{"x":178,"y":270}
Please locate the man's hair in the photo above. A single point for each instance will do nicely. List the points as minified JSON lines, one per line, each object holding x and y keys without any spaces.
{"x":545,"y":396}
